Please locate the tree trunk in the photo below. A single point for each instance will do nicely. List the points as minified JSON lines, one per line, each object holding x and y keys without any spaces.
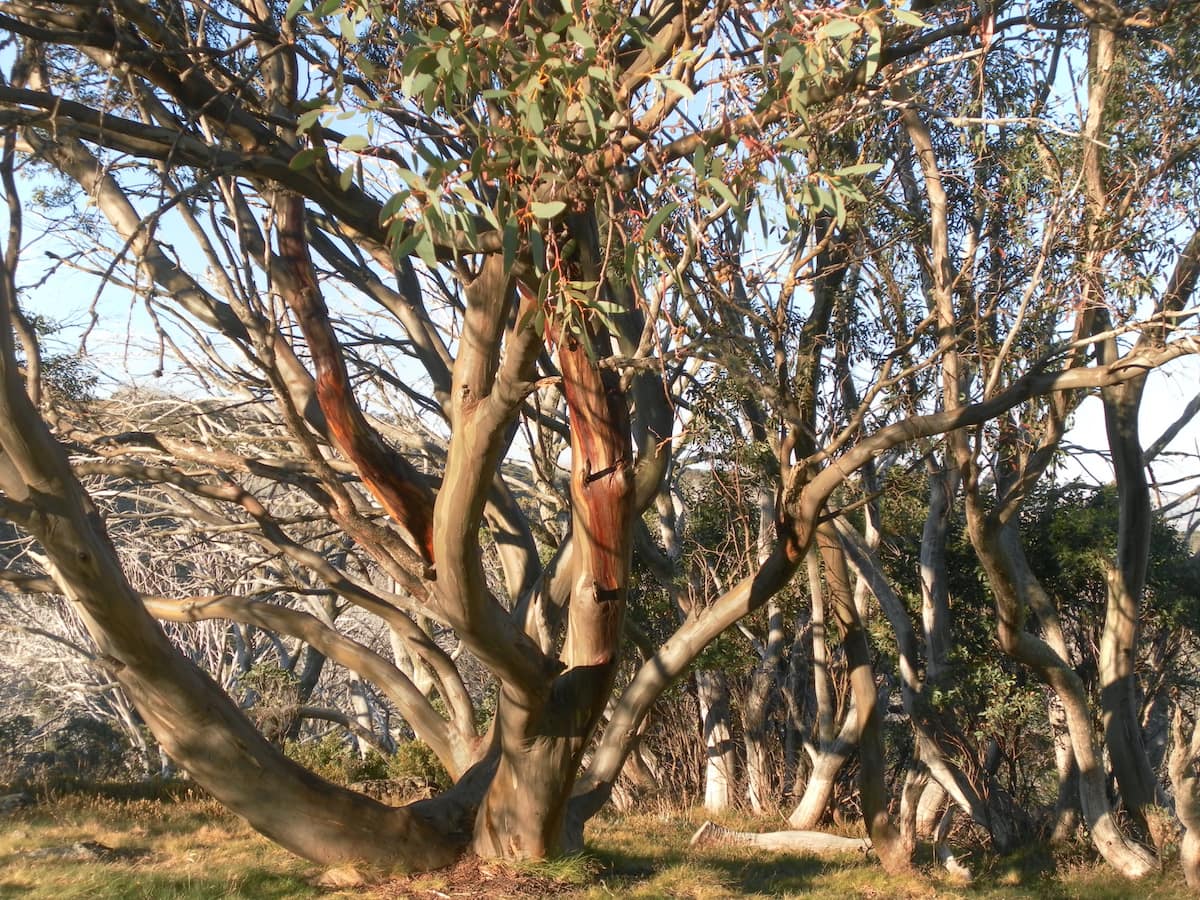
{"x":361,"y":705}
{"x":1119,"y":700}
{"x":935,"y":591}
{"x":829,"y":749}
{"x":872,"y":788}
{"x":1065,"y":821}
{"x":827,"y":761}
{"x":916,"y":778}
{"x":927,"y":731}
{"x":929,"y":809}
{"x":764,"y":688}
{"x":541,"y":747}
{"x":942,"y":850}
{"x":1185,"y":757}
{"x":795,"y":684}
{"x":765,"y":682}
{"x":1012,"y":584}
{"x":190,"y":716}
{"x":720,"y":759}
{"x":668,"y":664}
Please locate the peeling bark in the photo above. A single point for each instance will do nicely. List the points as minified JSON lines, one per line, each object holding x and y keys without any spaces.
{"x":524,"y":811}
{"x":396,"y":484}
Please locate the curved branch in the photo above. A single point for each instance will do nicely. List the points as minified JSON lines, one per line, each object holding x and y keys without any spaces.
{"x":193,"y":719}
{"x":452,"y":749}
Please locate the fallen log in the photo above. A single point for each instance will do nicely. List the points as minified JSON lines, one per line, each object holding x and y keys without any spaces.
{"x":814,"y":842}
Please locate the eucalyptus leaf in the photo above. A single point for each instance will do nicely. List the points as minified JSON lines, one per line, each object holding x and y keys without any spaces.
{"x":547,"y":209}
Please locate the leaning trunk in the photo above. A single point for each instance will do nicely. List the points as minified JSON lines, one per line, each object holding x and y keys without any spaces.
{"x":190,"y":716}
{"x":872,"y":788}
{"x":1012,"y":581}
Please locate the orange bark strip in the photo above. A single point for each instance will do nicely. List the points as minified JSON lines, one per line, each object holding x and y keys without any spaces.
{"x":602,"y":500}
{"x":390,"y":478}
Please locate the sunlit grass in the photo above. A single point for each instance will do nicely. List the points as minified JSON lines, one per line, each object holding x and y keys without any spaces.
{"x":191,"y":848}
{"x":574,"y":868}
{"x":170,"y":849}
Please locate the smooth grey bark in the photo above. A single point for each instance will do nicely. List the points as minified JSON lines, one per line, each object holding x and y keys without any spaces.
{"x":827,"y":760}
{"x":817,"y":843}
{"x":360,"y":703}
{"x":935,"y":589}
{"x":765,"y":680}
{"x":720,"y":757}
{"x":1012,"y":584}
{"x":871,"y":785}
{"x":831,"y":745}
{"x":1126,"y":580}
{"x":916,"y":778}
{"x":798,"y":708}
{"x":929,"y":808}
{"x":1066,"y":814}
{"x":926,"y":729}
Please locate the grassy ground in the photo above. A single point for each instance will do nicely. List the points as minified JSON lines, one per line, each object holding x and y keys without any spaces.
{"x":191,"y":848}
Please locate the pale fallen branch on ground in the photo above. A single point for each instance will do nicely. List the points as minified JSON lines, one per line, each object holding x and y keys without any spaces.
{"x":817,"y":842}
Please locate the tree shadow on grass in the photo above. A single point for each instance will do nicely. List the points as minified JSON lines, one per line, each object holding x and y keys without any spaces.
{"x":777,"y":873}
{"x":624,"y":865}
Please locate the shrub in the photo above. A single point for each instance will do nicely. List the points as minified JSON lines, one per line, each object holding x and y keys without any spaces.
{"x":414,"y":760}
{"x":333,"y":758}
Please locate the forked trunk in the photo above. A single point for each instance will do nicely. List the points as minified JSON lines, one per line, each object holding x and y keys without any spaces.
{"x":828,"y":760}
{"x":541,"y":748}
{"x":829,"y":750}
{"x":1012,"y":583}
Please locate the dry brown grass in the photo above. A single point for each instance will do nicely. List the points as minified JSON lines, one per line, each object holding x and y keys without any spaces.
{"x":192,"y":848}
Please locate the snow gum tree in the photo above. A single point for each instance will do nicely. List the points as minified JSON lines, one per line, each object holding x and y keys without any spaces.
{"x":466,"y":261}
